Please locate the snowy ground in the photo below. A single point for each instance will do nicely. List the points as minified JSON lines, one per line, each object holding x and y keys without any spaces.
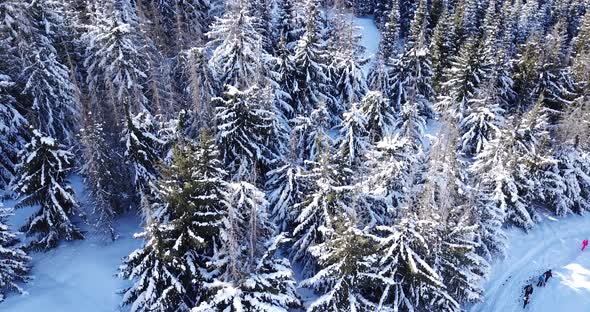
{"x":370,"y":36}
{"x":554,"y":244}
{"x":76,"y":276}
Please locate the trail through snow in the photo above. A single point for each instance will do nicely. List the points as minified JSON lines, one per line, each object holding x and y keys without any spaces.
{"x":554,"y":244}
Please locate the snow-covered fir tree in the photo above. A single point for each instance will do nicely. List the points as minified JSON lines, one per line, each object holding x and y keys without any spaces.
{"x":311,"y":134}
{"x":404,"y":269}
{"x":41,"y":180}
{"x":14,"y":267}
{"x":345,"y":276}
{"x":355,"y":141}
{"x":237,"y":48}
{"x":327,"y":201}
{"x":115,"y":64}
{"x":201,"y":86}
{"x":143,"y":149}
{"x":12,"y":131}
{"x":244,"y":273}
{"x":244,"y":130}
{"x":310,"y":63}
{"x":182,"y":232}
{"x":286,"y":185}
{"x":379,"y":115}
{"x":514,"y":155}
{"x":483,"y":119}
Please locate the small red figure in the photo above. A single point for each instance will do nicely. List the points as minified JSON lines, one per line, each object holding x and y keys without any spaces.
{"x":584,"y":244}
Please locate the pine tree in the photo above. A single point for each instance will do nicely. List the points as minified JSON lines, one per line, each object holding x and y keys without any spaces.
{"x":311,"y":135}
{"x":290,"y":23}
{"x":344,"y":278}
{"x":325,"y":204}
{"x":185,"y":21}
{"x":201,"y":87}
{"x":482,"y":122}
{"x":286,"y":186}
{"x":45,"y":78}
{"x":442,"y":48}
{"x":408,"y":279}
{"x":237,"y":48}
{"x":183,"y":231}
{"x":142,"y":150}
{"x":270,"y":287}
{"x":12,"y":131}
{"x":515,"y":155}
{"x":285,"y":80}
{"x":41,"y":180}
{"x":467,"y":72}
{"x":14,"y":267}
{"x":310,"y":64}
{"x":414,"y":76}
{"x":564,"y":186}
{"x":581,"y":49}
{"x":389,"y":45}
{"x":379,"y":115}
{"x":244,"y":132}
{"x":443,"y":197}
{"x":353,"y":130}
{"x":462,"y":269}
{"x":115,"y":63}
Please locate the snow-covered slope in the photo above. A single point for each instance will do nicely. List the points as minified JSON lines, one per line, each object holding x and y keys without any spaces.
{"x":76,"y":276}
{"x":554,"y":244}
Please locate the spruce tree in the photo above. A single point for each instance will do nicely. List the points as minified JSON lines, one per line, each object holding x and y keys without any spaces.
{"x":407,"y":277}
{"x":107,"y":194}
{"x":325,"y":203}
{"x":201,"y":87}
{"x":244,"y":129}
{"x":311,"y":64}
{"x":286,"y":187}
{"x":355,"y":141}
{"x":115,"y":63}
{"x":237,"y":48}
{"x":41,"y":180}
{"x":12,"y":131}
{"x":143,"y":150}
{"x":516,"y":154}
{"x":379,"y":115}
{"x":14,"y":262}
{"x":344,"y":278}
{"x":311,"y":134}
{"x":482,"y":122}
{"x":182,"y":232}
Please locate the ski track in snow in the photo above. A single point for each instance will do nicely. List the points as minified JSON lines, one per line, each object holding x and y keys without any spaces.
{"x":553,"y":244}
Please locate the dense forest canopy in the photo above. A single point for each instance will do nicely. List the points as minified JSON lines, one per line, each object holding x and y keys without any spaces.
{"x":260,"y":144}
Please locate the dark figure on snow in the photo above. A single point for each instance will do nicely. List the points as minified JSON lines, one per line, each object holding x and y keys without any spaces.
{"x":528,"y":291}
{"x":541,"y":282}
{"x":547,"y":274}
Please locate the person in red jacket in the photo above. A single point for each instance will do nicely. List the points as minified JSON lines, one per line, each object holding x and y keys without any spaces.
{"x":584,"y":244}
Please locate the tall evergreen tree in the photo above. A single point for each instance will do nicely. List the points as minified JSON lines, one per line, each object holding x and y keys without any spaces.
{"x":310,"y":63}
{"x":325,"y":204}
{"x":344,"y":277}
{"x":237,"y":48}
{"x":182,"y":232}
{"x":14,"y":262}
{"x":12,"y":131}
{"x":41,"y":180}
{"x":244,"y":129}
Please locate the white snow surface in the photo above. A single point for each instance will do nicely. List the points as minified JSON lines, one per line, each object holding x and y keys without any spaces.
{"x":554,"y":244}
{"x":76,"y":276}
{"x":370,"y":37}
